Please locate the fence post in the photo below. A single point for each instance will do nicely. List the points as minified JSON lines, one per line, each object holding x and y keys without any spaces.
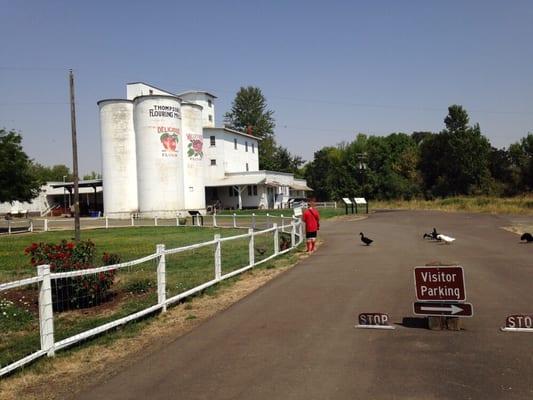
{"x":178,"y":221}
{"x":215,"y":220}
{"x":45,"y":225}
{"x":8,"y":227}
{"x":31,"y":226}
{"x":282,"y":223}
{"x":293,"y":232}
{"x":218,"y":257}
{"x":251,"y":247}
{"x":161,"y":277}
{"x":132,"y":222}
{"x":155,"y":221}
{"x":234,"y":220}
{"x":46,"y":312}
{"x":301,"y":231}
{"x":268,"y":220}
{"x":276,"y":239}
{"x":253,"y":220}
{"x":335,"y":206}
{"x":106,"y":222}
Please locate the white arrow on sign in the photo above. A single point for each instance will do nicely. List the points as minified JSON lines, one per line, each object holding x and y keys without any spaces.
{"x":452,"y":308}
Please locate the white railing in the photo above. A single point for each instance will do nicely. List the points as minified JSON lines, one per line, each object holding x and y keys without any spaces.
{"x":45,"y":277}
{"x":215,"y":220}
{"x":326,"y":204}
{"x":11,"y":226}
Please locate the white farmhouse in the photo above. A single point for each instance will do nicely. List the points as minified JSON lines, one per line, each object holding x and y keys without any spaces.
{"x":162,"y":155}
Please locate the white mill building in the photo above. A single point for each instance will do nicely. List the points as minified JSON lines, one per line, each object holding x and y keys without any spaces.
{"x":163,"y":156}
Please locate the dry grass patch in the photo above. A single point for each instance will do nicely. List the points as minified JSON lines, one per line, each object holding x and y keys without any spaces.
{"x":65,"y":374}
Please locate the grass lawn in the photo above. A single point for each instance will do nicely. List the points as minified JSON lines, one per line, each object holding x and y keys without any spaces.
{"x":133,"y":289}
{"x":129,"y":243}
{"x":513,"y":205}
{"x":287,"y":212}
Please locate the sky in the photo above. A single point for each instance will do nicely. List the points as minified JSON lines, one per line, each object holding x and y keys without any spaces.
{"x":328,"y":69}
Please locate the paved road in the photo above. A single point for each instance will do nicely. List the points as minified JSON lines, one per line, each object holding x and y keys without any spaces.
{"x":295,"y":338}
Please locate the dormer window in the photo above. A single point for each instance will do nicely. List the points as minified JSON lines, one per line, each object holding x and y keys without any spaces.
{"x":245,"y":146}
{"x":212,"y":141}
{"x":209,"y":103}
{"x":210,"y":118}
{"x":235,"y":144}
{"x":253,"y":147}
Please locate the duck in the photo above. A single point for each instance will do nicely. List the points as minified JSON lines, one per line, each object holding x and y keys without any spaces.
{"x":365,"y":240}
{"x":527,"y":237}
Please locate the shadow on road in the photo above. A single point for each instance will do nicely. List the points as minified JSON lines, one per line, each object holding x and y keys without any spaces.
{"x":414,"y":322}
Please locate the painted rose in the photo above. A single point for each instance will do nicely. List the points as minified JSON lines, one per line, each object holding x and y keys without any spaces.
{"x":197,"y":146}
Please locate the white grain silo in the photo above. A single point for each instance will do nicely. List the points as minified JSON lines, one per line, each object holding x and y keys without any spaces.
{"x":193,"y":157}
{"x":119,"y":167}
{"x":157,"y":122}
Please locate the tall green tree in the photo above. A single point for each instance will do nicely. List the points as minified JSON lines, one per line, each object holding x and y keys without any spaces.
{"x":17,"y":183}
{"x":456,"y":161}
{"x":250,"y":114}
{"x":521,"y":154}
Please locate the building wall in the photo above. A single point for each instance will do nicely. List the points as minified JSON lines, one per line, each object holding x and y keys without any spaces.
{"x":245,"y":153}
{"x":208,"y":106}
{"x":141,"y":89}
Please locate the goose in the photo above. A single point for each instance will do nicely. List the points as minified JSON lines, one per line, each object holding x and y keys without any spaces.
{"x":446,"y":239}
{"x":365,"y":240}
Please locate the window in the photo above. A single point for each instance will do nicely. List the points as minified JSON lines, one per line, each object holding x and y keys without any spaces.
{"x":252,"y":190}
{"x":209,"y":103}
{"x":210,"y":118}
{"x":213,"y":162}
{"x":245,"y":146}
{"x":253,"y":147}
{"x":247,"y":167}
{"x":235,"y":144}
{"x":212,"y":142}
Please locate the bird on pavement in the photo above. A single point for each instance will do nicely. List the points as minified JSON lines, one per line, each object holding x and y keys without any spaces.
{"x":365,"y":240}
{"x":527,"y":237}
{"x":432,"y":236}
{"x":446,"y":239}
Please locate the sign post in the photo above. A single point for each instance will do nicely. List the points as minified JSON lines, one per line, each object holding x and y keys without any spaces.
{"x":347,"y":202}
{"x":360,"y":201}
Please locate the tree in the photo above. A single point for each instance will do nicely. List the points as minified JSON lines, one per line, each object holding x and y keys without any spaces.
{"x":17,"y":182}
{"x":249,"y":114}
{"x":456,"y":161}
{"x":92,"y":175}
{"x":50,"y":174}
{"x":521,"y":154}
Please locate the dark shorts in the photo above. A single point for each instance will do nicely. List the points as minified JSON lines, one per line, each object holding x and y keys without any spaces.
{"x":310,"y":235}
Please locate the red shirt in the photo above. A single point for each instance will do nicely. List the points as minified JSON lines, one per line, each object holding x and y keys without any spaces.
{"x":311,"y":218}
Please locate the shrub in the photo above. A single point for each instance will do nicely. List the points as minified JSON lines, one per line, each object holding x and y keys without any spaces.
{"x":80,"y":291}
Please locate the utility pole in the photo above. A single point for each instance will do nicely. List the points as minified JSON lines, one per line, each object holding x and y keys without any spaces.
{"x":74,"y":160}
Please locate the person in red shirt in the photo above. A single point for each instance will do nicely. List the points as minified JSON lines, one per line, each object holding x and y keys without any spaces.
{"x":311,"y":217}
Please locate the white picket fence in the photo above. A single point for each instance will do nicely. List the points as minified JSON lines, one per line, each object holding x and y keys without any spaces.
{"x":44,"y":278}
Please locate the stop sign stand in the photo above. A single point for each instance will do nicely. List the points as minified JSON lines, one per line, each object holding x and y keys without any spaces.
{"x":374,"y":321}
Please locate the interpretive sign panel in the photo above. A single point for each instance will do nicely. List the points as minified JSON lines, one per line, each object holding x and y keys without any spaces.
{"x":346,"y":200}
{"x":444,"y":309}
{"x":440,"y":283}
{"x":359,"y":200}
